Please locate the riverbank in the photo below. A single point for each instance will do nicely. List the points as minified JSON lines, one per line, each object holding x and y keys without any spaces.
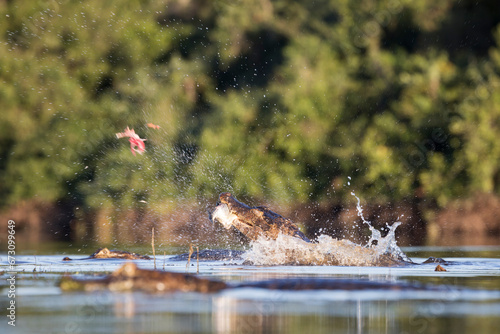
{"x":475,"y":221}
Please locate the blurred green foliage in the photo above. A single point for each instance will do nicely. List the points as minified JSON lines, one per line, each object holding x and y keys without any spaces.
{"x":288,"y":100}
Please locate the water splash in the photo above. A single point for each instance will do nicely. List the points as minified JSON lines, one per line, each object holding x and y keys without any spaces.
{"x":288,"y":250}
{"x":382,"y":245}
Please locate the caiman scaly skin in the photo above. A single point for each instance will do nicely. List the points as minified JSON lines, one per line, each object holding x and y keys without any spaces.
{"x":131,"y":278}
{"x":104,"y":253}
{"x":254,"y":222}
{"x":258,"y":221}
{"x":210,"y":255}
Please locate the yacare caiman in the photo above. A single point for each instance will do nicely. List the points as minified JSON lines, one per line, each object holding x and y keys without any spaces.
{"x":253,"y":222}
{"x":130,"y":277}
{"x":104,"y":253}
{"x":258,"y":223}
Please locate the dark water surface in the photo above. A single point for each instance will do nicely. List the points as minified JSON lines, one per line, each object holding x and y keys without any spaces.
{"x":468,"y":303}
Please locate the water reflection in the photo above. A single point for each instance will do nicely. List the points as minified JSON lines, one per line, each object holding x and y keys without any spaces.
{"x":258,"y":311}
{"x":45,"y":309}
{"x":125,"y":307}
{"x":243,"y":316}
{"x":233,"y":315}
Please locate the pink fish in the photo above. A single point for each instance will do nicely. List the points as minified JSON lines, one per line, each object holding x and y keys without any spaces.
{"x":134,"y":139}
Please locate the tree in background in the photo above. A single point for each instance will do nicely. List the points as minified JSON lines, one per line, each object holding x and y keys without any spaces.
{"x":292,"y":101}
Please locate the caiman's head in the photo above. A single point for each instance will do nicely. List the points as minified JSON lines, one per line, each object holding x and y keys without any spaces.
{"x":229,"y":210}
{"x":101,"y":253}
{"x":252,"y":221}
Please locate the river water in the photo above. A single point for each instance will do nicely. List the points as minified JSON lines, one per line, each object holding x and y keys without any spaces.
{"x":469,"y":301}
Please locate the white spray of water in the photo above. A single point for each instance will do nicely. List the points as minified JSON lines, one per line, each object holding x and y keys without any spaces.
{"x":382,"y":245}
{"x":288,"y":250}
